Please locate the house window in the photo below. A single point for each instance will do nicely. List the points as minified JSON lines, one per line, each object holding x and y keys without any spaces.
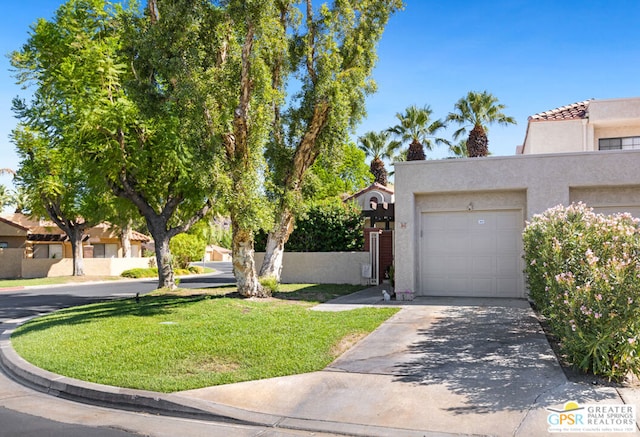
{"x":4,"y":245}
{"x":107,"y":250}
{"x":626,"y":143}
{"x":47,"y":251}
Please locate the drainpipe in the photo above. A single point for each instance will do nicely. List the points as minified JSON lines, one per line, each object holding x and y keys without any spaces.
{"x":584,"y":134}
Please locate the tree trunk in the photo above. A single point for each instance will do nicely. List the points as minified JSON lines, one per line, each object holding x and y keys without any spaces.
{"x":75,"y":235}
{"x":303,"y":158}
{"x":125,"y":240}
{"x":277,"y":238}
{"x":416,"y":152}
{"x":477,"y":143}
{"x":244,"y":268}
{"x":163,"y":254}
{"x":74,"y":231}
{"x":165,"y":268}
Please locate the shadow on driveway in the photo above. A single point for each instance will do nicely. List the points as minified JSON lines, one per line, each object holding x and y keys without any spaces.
{"x":496,"y":357}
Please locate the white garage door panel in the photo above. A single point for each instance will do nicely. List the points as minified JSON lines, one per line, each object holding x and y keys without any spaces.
{"x":471,"y":253}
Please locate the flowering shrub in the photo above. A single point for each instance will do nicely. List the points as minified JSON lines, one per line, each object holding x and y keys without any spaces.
{"x":583,"y":271}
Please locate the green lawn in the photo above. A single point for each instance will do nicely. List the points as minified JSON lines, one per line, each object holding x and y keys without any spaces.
{"x":8,"y":283}
{"x":178,"y":342}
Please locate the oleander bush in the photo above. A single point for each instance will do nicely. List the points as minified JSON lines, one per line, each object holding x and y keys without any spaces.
{"x":583,"y":271}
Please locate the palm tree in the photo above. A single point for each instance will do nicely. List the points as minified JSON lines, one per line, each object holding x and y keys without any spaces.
{"x":5,"y":197}
{"x":416,"y":125}
{"x":459,"y":150}
{"x":20,"y":200}
{"x":478,"y":110}
{"x":377,"y":146}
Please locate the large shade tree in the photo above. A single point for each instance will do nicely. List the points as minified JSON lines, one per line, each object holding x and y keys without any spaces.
{"x":378,"y":146}
{"x":475,"y":112}
{"x":332,"y":54}
{"x":54,"y":186}
{"x":118,"y":86}
{"x":418,"y":126}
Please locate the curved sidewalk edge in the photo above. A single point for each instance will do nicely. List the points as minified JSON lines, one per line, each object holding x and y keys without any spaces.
{"x":141,"y":401}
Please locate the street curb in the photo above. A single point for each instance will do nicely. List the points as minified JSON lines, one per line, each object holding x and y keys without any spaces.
{"x":173,"y":405}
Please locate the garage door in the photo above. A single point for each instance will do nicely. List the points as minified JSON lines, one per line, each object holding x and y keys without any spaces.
{"x":472,"y":253}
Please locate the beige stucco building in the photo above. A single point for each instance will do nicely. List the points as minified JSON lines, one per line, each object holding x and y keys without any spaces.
{"x":459,"y":223}
{"x":587,"y":126}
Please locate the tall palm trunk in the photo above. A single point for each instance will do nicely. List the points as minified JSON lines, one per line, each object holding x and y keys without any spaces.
{"x":478,"y":143}
{"x":379,"y":172}
{"x":416,"y":152}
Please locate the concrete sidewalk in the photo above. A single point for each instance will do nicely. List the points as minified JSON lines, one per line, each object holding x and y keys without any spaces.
{"x":438,"y":367}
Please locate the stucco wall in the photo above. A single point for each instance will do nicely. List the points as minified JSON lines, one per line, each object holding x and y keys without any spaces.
{"x":555,"y":137}
{"x":322,"y":267}
{"x":42,"y":268}
{"x":10,"y":263}
{"x":547,"y":180}
{"x":614,"y":110}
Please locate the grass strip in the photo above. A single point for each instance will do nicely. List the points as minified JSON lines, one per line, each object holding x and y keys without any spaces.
{"x":171,"y":343}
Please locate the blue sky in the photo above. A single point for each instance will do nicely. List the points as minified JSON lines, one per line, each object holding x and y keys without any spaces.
{"x":532,"y":55}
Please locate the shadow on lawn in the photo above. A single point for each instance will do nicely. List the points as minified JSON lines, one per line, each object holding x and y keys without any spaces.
{"x":317,"y":293}
{"x":145,"y":307}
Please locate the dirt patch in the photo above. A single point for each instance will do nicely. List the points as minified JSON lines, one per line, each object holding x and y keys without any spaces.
{"x":207,"y":365}
{"x":346,"y":343}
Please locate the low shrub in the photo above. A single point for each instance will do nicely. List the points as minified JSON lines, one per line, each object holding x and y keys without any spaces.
{"x":186,"y":248}
{"x":140,"y":273}
{"x":583,"y":271}
{"x":270,"y":283}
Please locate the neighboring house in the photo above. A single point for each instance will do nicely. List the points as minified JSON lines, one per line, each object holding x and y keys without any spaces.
{"x":591,"y":125}
{"x":377,"y":203}
{"x":459,"y":222}
{"x":43,"y":239}
{"x":217,"y":253}
{"x":378,"y":206}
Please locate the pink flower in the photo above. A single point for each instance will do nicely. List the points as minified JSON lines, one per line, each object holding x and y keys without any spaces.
{"x":598,"y":296}
{"x":597,"y":315}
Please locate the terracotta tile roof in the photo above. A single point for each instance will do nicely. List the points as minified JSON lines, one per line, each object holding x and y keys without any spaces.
{"x":575,"y":111}
{"x":31,"y":225}
{"x":374,"y":186}
{"x":48,"y":227}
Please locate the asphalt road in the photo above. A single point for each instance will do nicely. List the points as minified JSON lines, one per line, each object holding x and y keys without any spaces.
{"x":27,"y":413}
{"x":17,"y":304}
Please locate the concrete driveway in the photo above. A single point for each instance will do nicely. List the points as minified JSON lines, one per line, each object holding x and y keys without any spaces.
{"x":438,"y":367}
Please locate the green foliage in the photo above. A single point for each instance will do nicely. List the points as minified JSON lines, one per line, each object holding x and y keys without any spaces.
{"x":341,"y":170}
{"x":221,"y":236}
{"x":477,"y":111}
{"x":583,"y":271}
{"x":325,"y":227}
{"x":270,"y":283}
{"x":140,"y":273}
{"x":416,"y":125}
{"x":186,"y":248}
